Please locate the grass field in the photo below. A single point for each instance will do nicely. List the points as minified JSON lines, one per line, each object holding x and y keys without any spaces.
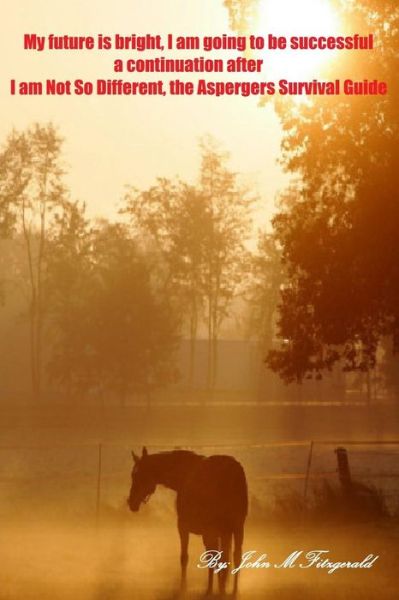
{"x":136,"y":559}
{"x":53,"y":546}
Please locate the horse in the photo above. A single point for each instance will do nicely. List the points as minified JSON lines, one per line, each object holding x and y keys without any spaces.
{"x":212,"y":501}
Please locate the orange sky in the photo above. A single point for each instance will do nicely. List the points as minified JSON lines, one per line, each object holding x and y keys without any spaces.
{"x":115,"y":141}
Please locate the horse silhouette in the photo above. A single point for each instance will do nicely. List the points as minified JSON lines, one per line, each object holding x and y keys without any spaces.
{"x":212,"y":501}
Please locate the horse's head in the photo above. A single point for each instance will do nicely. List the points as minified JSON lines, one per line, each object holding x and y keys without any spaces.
{"x":143,"y":481}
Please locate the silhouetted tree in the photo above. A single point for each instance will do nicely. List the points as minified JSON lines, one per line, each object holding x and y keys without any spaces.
{"x":170,"y":220}
{"x":31,"y":194}
{"x":198,"y":235}
{"x":68,"y":286}
{"x":228,"y":207}
{"x":339,"y":236}
{"x":116,"y":330}
{"x":267,"y":278}
{"x":264,"y":280}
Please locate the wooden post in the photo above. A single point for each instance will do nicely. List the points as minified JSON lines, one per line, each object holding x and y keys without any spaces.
{"x":343,"y":469}
{"x":98,"y":495}
{"x":308,"y":467}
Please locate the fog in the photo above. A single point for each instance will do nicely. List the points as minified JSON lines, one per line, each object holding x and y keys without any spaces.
{"x":59,"y":543}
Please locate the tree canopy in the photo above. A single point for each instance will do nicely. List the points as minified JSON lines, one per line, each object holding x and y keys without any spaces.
{"x":337,"y":226}
{"x":116,"y":330}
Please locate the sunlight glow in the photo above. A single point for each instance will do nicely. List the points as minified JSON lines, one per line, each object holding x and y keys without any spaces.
{"x":297,"y":18}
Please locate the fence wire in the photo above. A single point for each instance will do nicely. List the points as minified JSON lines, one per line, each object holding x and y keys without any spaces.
{"x":91,"y":478}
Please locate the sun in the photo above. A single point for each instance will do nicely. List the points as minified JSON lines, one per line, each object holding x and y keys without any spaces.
{"x":296,"y":18}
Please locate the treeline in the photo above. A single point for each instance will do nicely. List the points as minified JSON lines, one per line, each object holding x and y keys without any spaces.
{"x":106,"y":303}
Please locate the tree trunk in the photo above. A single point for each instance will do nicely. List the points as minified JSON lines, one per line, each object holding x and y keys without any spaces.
{"x":210,"y":343}
{"x":193,"y":342}
{"x":214,"y":346}
{"x":33,"y":308}
{"x":39,"y":277}
{"x":32,"y":346}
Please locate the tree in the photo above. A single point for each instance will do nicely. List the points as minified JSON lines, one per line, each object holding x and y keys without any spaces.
{"x":339,"y":237}
{"x":116,"y":328}
{"x":170,"y":220}
{"x":31,"y":194}
{"x":228,"y":207}
{"x":264,"y":289}
{"x":68,"y":283}
{"x":135,"y":326}
{"x":189,"y":248}
{"x":265,"y":279}
{"x":242,"y":13}
{"x":198,"y":235}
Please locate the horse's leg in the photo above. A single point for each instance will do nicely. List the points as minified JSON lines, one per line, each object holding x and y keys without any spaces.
{"x":211,"y":543}
{"x":238,"y":539}
{"x":223,"y":574}
{"x":184,"y":534}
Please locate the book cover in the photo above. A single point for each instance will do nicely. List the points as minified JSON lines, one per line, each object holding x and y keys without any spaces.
{"x":199,"y":299}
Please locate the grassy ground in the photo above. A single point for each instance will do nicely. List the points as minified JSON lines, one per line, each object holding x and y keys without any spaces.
{"x":136,"y":560}
{"x":50,"y":545}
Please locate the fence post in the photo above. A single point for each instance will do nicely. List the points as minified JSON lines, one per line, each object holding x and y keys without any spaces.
{"x":98,"y":495}
{"x":343,"y":469}
{"x":308,"y":467}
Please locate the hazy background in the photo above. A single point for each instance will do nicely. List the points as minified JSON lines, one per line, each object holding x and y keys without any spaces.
{"x":112,"y":141}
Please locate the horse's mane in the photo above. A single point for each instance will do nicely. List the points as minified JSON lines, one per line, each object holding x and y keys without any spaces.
{"x":179,"y":452}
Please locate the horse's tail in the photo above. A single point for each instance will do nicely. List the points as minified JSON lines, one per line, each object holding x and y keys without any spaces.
{"x":242,"y":510}
{"x":242,"y":505}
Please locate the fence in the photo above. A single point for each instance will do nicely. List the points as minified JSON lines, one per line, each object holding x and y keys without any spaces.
{"x":96,"y":477}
